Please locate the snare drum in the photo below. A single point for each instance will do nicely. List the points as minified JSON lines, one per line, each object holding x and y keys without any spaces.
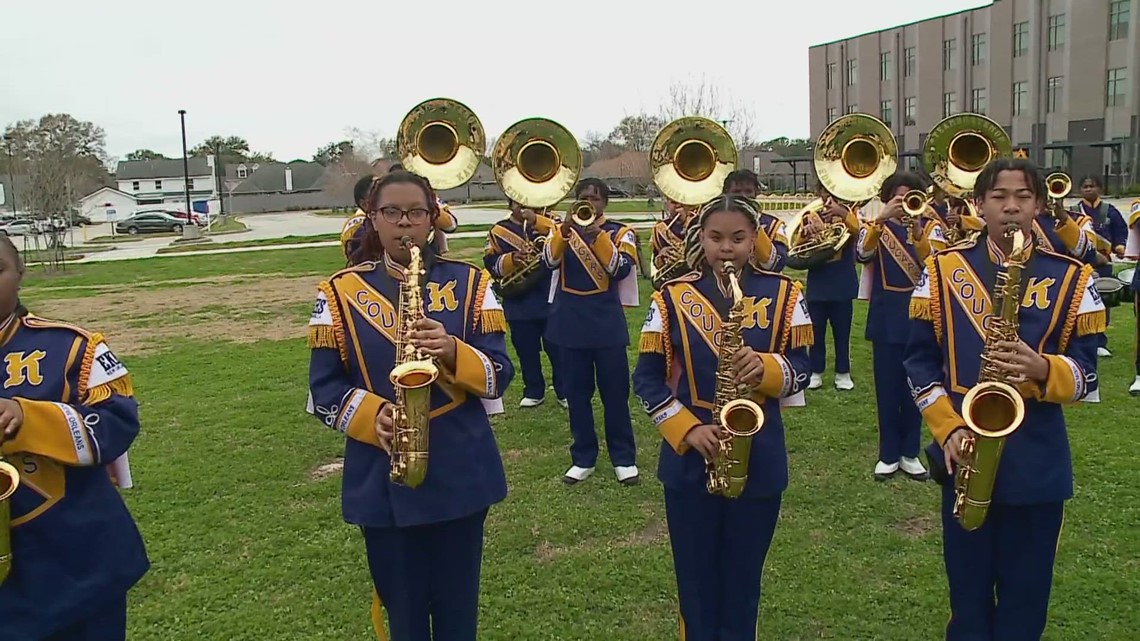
{"x":1127,"y":277}
{"x":1111,"y":290}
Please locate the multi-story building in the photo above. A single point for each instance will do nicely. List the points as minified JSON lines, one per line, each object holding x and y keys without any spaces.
{"x":1060,"y":75}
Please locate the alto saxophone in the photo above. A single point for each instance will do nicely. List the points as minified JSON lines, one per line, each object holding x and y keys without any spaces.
{"x":738,"y":416}
{"x":9,"y":481}
{"x":412,"y":378}
{"x":992,"y":408}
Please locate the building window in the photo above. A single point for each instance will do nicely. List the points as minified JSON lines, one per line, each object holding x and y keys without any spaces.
{"x":158,"y":185}
{"x":1053,"y":94}
{"x":832,"y":114}
{"x":949,"y":104}
{"x":949,"y":52}
{"x":911,"y":110}
{"x":978,"y":49}
{"x":1118,"y":15}
{"x":135,"y":186}
{"x":242,"y":172}
{"x":852,"y":109}
{"x":909,"y":61}
{"x":978,"y":100}
{"x":190,"y":183}
{"x":885,"y":112}
{"x":830,"y":75}
{"x":852,"y":72}
{"x":1020,"y":97}
{"x":1117,"y":88}
{"x":1056,"y":32}
{"x":1020,"y":39}
{"x":885,"y":65}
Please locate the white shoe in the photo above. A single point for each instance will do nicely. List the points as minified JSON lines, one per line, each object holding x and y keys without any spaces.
{"x":816,"y":381}
{"x":627,"y":475}
{"x":531,"y":402}
{"x":564,"y":403}
{"x":913,"y":468}
{"x":1103,"y":352}
{"x":884,"y":471}
{"x":576,"y":474}
{"x":843,"y":382}
{"x":1135,"y":389}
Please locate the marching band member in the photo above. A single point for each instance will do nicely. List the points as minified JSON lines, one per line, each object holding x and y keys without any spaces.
{"x":1000,"y":573}
{"x":425,"y":544}
{"x":587,"y":323}
{"x":952,"y":217}
{"x":771,"y":251}
{"x":720,"y":543}
{"x":1107,"y":223}
{"x":360,"y":226}
{"x":350,"y":232}
{"x":526,"y":313}
{"x":67,"y":417}
{"x":669,"y":233}
{"x":893,"y":252}
{"x":831,"y":290}
{"x":1133,"y":251}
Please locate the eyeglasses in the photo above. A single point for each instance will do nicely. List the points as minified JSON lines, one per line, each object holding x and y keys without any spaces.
{"x":393,"y":215}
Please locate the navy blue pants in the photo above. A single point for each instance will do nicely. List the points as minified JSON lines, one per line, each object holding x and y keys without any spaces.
{"x":719,"y":546}
{"x":108,"y":623}
{"x":609,"y":367}
{"x":900,"y":422}
{"x":1000,"y":575}
{"x":838,"y":313}
{"x":427,"y":577}
{"x":527,"y":337}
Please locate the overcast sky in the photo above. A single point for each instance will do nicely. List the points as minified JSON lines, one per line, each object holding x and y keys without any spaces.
{"x":291,"y":75}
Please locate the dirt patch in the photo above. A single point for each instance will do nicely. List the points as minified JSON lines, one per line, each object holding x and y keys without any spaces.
{"x":322,"y":472}
{"x":917,"y":526}
{"x":233,"y":309}
{"x":655,"y":532}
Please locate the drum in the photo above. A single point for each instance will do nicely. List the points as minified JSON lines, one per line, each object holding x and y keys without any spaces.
{"x":1111,"y":290}
{"x":1126,"y":276}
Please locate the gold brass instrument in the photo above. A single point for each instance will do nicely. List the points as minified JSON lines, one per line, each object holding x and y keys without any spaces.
{"x":854,"y":155}
{"x":956,"y":151}
{"x":1058,"y":185}
{"x":916,"y":202}
{"x":582,"y":213}
{"x":738,"y":416}
{"x":412,"y":378}
{"x":690,"y":158}
{"x":675,"y":264}
{"x":9,"y":481}
{"x":992,"y":409}
{"x":441,"y":140}
{"x":536,"y":162}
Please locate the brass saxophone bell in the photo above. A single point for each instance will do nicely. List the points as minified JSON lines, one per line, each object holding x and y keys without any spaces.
{"x":741,"y":417}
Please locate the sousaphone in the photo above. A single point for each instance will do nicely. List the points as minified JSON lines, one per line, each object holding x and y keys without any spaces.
{"x":957,"y":150}
{"x":443,"y":141}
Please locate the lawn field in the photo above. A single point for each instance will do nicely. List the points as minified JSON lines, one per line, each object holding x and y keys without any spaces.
{"x":242,"y":517}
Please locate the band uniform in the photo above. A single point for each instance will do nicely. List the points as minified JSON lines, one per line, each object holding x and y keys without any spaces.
{"x":832,"y":288}
{"x":526,"y":312}
{"x":424,"y":545}
{"x":596,"y":280}
{"x":76,"y":550}
{"x":892,"y":259}
{"x":1104,"y":221}
{"x":1060,"y":315}
{"x":770,"y":252}
{"x":719,"y":544}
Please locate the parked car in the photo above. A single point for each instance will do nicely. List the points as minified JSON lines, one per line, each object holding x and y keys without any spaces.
{"x":175,"y":213}
{"x":18,"y":227}
{"x":150,"y":222}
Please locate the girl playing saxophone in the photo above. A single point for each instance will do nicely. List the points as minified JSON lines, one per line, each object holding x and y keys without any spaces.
{"x":719,"y":543}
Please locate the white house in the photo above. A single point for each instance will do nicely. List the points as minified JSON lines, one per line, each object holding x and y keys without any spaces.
{"x":107,"y":205}
{"x":162,"y":183}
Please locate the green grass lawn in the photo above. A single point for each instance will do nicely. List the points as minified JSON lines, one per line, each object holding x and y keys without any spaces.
{"x":247,"y":546}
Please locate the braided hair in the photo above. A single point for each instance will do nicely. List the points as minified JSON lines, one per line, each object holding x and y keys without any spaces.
{"x":694,"y":252}
{"x":370,"y":248}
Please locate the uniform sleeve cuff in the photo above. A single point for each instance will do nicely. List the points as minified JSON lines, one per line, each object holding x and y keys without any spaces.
{"x":774,"y":381}
{"x":763,"y":249}
{"x":1069,"y":233}
{"x":1065,"y":382}
{"x":942,"y":419}
{"x":556,"y":247}
{"x":675,"y":421}
{"x":474,"y":371}
{"x":606,"y":251}
{"x":543,"y":225}
{"x":358,"y":417}
{"x":55,"y":431}
{"x":506,"y":265}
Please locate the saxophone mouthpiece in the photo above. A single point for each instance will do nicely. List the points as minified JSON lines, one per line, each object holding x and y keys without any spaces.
{"x":407,"y":242}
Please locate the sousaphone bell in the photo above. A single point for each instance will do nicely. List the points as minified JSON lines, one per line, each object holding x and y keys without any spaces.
{"x":443,"y":141}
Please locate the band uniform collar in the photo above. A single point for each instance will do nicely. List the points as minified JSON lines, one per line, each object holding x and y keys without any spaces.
{"x":394,"y":269}
{"x":997,"y":256}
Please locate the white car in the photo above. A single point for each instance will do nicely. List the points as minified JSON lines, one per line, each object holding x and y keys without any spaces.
{"x":18,"y":227}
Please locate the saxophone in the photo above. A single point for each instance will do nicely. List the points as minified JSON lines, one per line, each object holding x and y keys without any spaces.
{"x":9,"y":481}
{"x":738,"y":416}
{"x":992,"y":408}
{"x":411,"y":378}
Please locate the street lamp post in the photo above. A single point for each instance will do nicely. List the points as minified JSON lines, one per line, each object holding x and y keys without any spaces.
{"x":11,"y":177}
{"x":186,"y":228}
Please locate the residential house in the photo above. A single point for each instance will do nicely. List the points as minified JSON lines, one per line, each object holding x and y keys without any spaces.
{"x":161,"y":183}
{"x":628,"y":171}
{"x":294,"y":186}
{"x":107,"y":205}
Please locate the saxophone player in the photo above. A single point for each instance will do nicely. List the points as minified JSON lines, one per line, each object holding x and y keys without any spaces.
{"x":771,"y":248}
{"x":719,"y":543}
{"x":411,"y":532}
{"x":360,"y":226}
{"x":67,"y":417}
{"x":512,"y":245}
{"x":1000,"y":572}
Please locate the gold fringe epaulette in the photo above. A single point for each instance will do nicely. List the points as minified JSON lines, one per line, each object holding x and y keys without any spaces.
{"x":803,"y":336}
{"x":794,"y":337}
{"x":1072,"y":319}
{"x":651,"y":343}
{"x":123,"y":386}
{"x":920,"y":309}
{"x":1092,"y":323}
{"x":322,"y":336}
{"x":492,"y":320}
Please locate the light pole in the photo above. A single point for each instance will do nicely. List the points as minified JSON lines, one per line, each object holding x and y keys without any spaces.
{"x":186,"y":233}
{"x":11,"y":177}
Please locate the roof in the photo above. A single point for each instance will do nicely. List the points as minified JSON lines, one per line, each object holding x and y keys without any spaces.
{"x":160,"y":168}
{"x":270,"y":178}
{"x":103,"y":189}
{"x":630,"y":164}
{"x":940,"y":16}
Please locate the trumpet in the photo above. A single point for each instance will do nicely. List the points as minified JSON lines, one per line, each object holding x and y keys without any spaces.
{"x":443,"y":141}
{"x":1058,"y":184}
{"x":582,"y":213}
{"x":916,"y":202}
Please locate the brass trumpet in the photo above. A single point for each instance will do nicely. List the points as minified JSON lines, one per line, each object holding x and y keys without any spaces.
{"x":1059,"y":185}
{"x":582,"y":213}
{"x":916,"y":202}
{"x":441,"y":140}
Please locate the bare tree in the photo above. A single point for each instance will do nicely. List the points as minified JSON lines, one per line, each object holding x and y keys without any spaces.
{"x":702,"y":98}
{"x":370,"y":145}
